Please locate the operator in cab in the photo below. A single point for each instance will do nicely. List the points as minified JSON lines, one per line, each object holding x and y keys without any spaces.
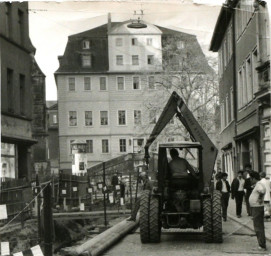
{"x":179,"y":168}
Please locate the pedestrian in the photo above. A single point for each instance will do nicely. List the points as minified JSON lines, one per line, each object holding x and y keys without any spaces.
{"x":146,"y":185}
{"x":224,"y":187}
{"x":265,"y":180}
{"x":256,"y":201}
{"x":237,"y":192}
{"x":248,"y":189}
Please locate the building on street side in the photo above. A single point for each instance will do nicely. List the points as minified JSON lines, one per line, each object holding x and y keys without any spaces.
{"x":16,"y":91}
{"x":241,"y":38}
{"x":108,"y":83}
{"x":53,"y":141}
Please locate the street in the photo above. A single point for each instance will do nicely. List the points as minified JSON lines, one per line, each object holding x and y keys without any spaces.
{"x":237,"y":241}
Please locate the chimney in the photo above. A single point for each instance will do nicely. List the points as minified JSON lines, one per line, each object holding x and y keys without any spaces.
{"x":108,"y":22}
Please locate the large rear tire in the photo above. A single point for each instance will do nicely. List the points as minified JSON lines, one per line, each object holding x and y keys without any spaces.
{"x":217,"y":218}
{"x":207,"y":220}
{"x":154,"y":221}
{"x":144,"y":216}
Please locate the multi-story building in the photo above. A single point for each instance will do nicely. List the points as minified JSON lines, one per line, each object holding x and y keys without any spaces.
{"x":16,"y":91}
{"x":242,"y":40}
{"x":106,"y":79}
{"x":39,"y":122}
{"x":53,"y":142}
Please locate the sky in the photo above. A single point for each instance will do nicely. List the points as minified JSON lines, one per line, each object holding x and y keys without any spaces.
{"x":50,"y":24}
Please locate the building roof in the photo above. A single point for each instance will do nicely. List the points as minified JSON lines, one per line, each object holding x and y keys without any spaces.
{"x":51,"y":104}
{"x":70,"y":62}
{"x":222,"y":23}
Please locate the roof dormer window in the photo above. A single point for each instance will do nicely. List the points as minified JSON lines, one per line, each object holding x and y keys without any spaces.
{"x":86,"y":44}
{"x":86,"y":60}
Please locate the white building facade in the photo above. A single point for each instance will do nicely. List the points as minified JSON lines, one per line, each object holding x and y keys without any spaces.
{"x":105,"y":77}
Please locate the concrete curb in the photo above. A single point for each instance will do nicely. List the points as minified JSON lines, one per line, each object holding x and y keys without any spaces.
{"x":250,"y":227}
{"x":103,"y":241}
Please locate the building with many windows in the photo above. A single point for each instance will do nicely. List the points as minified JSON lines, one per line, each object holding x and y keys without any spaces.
{"x":105,"y":80}
{"x":242,"y":40}
{"x":16,"y":91}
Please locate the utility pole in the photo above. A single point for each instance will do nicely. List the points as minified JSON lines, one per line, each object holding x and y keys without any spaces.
{"x":48,"y":221}
{"x":38,"y":206}
{"x":104,"y":191}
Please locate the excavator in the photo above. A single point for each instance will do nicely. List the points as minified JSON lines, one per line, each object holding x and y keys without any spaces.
{"x":196,"y":206}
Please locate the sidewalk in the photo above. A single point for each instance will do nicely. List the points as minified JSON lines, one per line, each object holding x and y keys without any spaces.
{"x":247,"y":220}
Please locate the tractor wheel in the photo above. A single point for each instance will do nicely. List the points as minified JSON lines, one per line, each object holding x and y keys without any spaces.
{"x":217,"y":218}
{"x":144,"y":216}
{"x":207,"y":220}
{"x":154,"y":221}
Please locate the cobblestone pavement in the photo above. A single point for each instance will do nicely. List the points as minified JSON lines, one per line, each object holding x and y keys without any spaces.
{"x":238,"y":240}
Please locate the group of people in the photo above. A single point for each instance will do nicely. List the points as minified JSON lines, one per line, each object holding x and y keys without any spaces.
{"x":252,"y":186}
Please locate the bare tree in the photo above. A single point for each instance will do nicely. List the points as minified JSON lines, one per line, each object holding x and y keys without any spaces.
{"x":185,"y":70}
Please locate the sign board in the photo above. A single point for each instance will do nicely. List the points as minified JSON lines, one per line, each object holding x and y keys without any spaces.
{"x":111,"y":198}
{"x":100,"y":185}
{"x":82,"y":207}
{"x":79,"y":165}
{"x":90,"y":190}
{"x":121,"y":201}
{"x":3,"y":212}
{"x":64,"y":192}
{"x":74,"y":189}
{"x":5,"y":248}
{"x":117,"y":187}
{"x":18,"y":254}
{"x":36,"y":251}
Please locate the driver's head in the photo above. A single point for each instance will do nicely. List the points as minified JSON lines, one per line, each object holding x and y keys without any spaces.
{"x":174,"y":153}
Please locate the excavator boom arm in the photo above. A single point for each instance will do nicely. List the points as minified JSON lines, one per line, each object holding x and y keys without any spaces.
{"x":176,"y":105}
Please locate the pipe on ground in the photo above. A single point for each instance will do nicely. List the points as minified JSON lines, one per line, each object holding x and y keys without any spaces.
{"x":101,"y":242}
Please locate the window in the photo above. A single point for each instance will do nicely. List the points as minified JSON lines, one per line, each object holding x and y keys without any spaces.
{"x":22,"y":94}
{"x":122,"y":117}
{"x":136,"y":83}
{"x":104,"y":117}
{"x":72,"y":118}
{"x":21,"y":26}
{"x":135,"y":60}
{"x":226,"y":111}
{"x":86,"y":44}
{"x":150,"y":60}
{"x":134,"y":41}
{"x":87,"y":83}
{"x":10,"y":86}
{"x":118,"y":41}
{"x":119,"y":60}
{"x":102,"y":83}
{"x":71,"y":84}
{"x":240,"y":86}
{"x":180,"y":45}
{"x":88,"y":118}
{"x":105,"y":146}
{"x":232,"y":107}
{"x":244,"y":87}
{"x":138,"y":145}
{"x":122,"y":145}
{"x":249,"y":79}
{"x":55,"y":119}
{"x":254,"y":71}
{"x":222,"y":116}
{"x":8,"y":160}
{"x":152,"y":116}
{"x":151,"y":83}
{"x":86,"y":60}
{"x":120,"y":83}
{"x":137,"y":116}
{"x":8,"y":20}
{"x":149,"y":41}
{"x":89,"y":148}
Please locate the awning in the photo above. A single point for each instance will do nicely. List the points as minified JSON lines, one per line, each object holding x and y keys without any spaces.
{"x":227,"y":146}
{"x":18,"y":140}
{"x":247,"y":133}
